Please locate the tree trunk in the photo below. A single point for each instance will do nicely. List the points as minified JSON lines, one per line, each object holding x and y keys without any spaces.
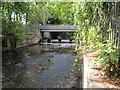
{"x":26,"y":18}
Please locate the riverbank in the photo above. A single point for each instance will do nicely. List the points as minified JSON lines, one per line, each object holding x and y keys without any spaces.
{"x":93,"y":75}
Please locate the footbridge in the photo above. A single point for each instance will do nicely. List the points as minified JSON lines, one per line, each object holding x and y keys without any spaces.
{"x":51,"y":32}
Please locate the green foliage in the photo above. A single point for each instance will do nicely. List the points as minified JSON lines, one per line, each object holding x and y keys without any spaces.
{"x":66,"y":35}
{"x":79,"y":55}
{"x":96,"y":30}
{"x":109,"y":59}
{"x":59,"y":37}
{"x":62,"y":12}
{"x":93,"y":35}
{"x":39,"y":13}
{"x":86,"y":18}
{"x":12,"y":24}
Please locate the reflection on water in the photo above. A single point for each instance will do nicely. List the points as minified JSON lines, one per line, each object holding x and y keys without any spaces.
{"x":40,"y":66}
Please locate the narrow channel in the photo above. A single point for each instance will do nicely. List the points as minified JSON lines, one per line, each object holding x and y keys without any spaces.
{"x":41,"y":66}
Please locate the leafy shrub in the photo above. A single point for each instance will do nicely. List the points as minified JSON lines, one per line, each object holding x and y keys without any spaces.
{"x":108,"y":59}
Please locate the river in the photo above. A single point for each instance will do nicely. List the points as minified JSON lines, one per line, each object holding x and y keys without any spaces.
{"x":41,"y":66}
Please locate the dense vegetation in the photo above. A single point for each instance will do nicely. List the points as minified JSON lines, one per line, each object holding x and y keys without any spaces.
{"x":97,"y":23}
{"x":98,"y":30}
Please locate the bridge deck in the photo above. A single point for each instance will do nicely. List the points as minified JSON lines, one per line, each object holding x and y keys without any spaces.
{"x":57,"y":30}
{"x":57,"y":27}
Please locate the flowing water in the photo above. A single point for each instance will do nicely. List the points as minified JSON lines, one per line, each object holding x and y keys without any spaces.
{"x":40,"y":66}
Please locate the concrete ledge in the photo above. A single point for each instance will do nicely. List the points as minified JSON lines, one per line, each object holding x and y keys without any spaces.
{"x":90,"y":78}
{"x":22,"y":46}
{"x":85,"y":76}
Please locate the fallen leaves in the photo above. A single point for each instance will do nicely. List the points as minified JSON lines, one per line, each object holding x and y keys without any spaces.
{"x":107,"y":82}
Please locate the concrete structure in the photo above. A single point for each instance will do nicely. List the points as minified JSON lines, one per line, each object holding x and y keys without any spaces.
{"x":41,"y":32}
{"x":57,"y":28}
{"x":47,"y":35}
{"x":36,"y":35}
{"x":91,"y":71}
{"x":47,"y":29}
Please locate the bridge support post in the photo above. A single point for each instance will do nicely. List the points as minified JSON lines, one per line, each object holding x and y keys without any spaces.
{"x":47,"y":36}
